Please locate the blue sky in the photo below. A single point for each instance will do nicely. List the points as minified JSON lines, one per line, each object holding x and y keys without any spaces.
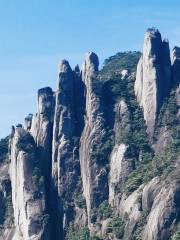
{"x":36,"y":34}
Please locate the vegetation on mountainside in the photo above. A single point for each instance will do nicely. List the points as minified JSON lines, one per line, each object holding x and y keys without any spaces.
{"x":116,"y":88}
{"x":103,"y":212}
{"x":4,"y":149}
{"x":162,"y":163}
{"x":74,"y":234}
{"x":137,"y":234}
{"x":116,"y":227}
{"x":176,"y":236}
{"x":122,"y":60}
{"x":78,"y":195}
{"x":146,"y":164}
{"x":6,"y":208}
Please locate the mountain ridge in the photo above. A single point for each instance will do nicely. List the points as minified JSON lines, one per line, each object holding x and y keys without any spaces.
{"x":100,"y":158}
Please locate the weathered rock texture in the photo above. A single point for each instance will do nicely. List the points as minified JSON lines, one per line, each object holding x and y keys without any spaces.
{"x":165,"y":210}
{"x":93,"y":171}
{"x":41,"y":130}
{"x":6,"y":211}
{"x":27,"y":195}
{"x":84,"y":161}
{"x":130,"y":207}
{"x":176,"y":65}
{"x":153,"y":79}
{"x":120,"y":165}
{"x":118,"y":173}
{"x":68,"y":124}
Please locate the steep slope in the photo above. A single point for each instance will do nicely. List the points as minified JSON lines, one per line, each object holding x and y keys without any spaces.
{"x":153,"y":80}
{"x":6,"y":212}
{"x":100,"y":159}
{"x":28,"y":195}
{"x":93,"y":170}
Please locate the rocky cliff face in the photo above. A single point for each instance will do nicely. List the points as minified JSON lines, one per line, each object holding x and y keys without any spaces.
{"x":100,"y":158}
{"x":28,"y":196}
{"x":120,"y":166}
{"x":93,"y":171}
{"x":176,"y":64}
{"x":153,"y":79}
{"x":41,"y":130}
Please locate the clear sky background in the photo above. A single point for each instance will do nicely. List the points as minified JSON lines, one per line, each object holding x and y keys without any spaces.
{"x":36,"y":34}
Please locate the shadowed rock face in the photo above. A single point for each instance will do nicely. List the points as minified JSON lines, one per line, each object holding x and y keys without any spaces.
{"x":63,"y":132}
{"x":41,"y":130}
{"x":27,"y":196}
{"x":94,"y":174}
{"x":153,"y":79}
{"x":64,"y":119}
{"x":176,"y":65}
{"x":68,"y":124}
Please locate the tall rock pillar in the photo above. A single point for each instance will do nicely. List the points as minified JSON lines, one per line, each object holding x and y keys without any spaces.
{"x":93,"y":170}
{"x":28,"y":196}
{"x":153,"y":80}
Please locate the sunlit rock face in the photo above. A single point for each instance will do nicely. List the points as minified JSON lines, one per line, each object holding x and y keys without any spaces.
{"x":118,"y":171}
{"x":120,"y":165}
{"x":164,"y":211}
{"x":28,"y":195}
{"x":84,"y":165}
{"x":153,"y":79}
{"x":68,"y":125}
{"x":93,"y":172}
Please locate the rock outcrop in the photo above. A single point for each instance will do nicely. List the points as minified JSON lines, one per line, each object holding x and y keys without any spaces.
{"x":83,"y":166}
{"x":117,"y":174}
{"x":28,"y":195}
{"x":93,"y":169}
{"x":164,"y":212}
{"x":120,"y":165}
{"x":153,"y":79}
{"x":176,"y":65}
{"x":41,"y":129}
{"x":130,"y":208}
{"x":68,"y":124}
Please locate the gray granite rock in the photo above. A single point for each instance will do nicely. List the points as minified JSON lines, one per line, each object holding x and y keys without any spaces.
{"x":153,"y":79}
{"x":28,"y":195}
{"x":93,"y":172}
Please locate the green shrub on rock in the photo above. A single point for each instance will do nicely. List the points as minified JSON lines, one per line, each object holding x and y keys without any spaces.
{"x":104,"y":210}
{"x":74,"y":234}
{"x":117,"y":226}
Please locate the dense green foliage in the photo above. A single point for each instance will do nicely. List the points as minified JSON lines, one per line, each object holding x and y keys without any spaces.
{"x":78,"y":195}
{"x":176,"y":236}
{"x":4,"y":149}
{"x":162,"y":163}
{"x":137,"y":234}
{"x":103,"y":212}
{"x":6,"y":216}
{"x":116,"y":226}
{"x":116,"y":88}
{"x":119,"y":62}
{"x":74,"y":234}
